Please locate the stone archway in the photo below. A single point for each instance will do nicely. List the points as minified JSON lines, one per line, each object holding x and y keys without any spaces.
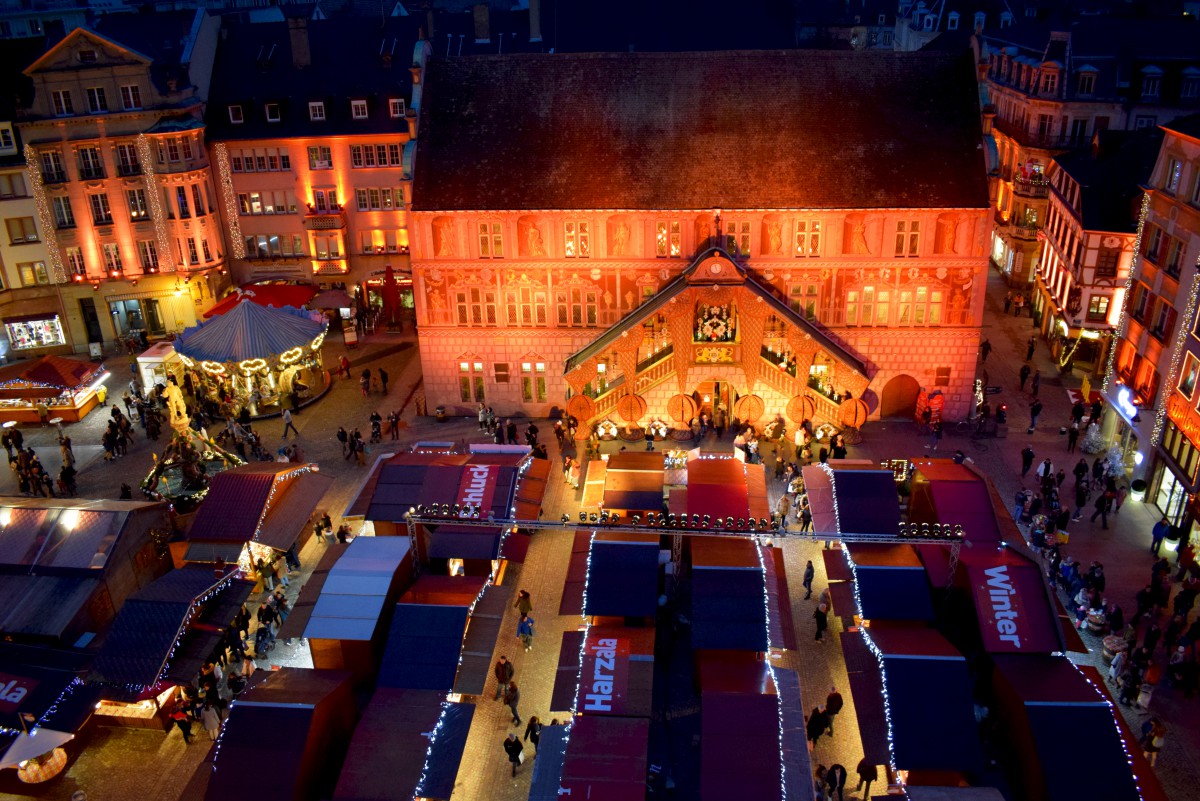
{"x":899,"y":397}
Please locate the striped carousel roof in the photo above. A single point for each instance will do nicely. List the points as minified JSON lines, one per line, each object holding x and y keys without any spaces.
{"x":249,"y":331}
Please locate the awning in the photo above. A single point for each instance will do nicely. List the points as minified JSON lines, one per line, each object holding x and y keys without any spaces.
{"x":623,"y":578}
{"x":892,"y":582}
{"x":291,"y":510}
{"x":727,"y":595}
{"x":29,"y":745}
{"x":572,"y":596}
{"x":617,"y":675}
{"x":866,"y":687}
{"x":867,"y":502}
{"x":463,"y":542}
{"x":717,"y":488}
{"x":606,"y":758}
{"x":1011,"y":603}
{"x":548,"y":767}
{"x":532,"y":489}
{"x":445,"y":752}
{"x":566,"y":677}
{"x":819,"y":489}
{"x":483,"y":632}
{"x":423,"y":647}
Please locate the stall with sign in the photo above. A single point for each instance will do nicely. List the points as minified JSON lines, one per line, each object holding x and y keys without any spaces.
{"x":31,"y":331}
{"x":49,"y":387}
{"x":158,"y":364}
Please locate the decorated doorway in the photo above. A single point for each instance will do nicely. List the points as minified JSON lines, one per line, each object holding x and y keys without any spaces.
{"x":714,"y":395}
{"x":899,"y":397}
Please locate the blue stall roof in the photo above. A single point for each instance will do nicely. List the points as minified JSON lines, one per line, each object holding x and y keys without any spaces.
{"x":727,"y":595}
{"x":445,"y":755}
{"x":622,"y":580}
{"x":867,"y":501}
{"x":423,"y":647}
{"x":548,"y":767}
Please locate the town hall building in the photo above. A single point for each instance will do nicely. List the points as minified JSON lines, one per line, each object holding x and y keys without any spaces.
{"x":648,"y":236}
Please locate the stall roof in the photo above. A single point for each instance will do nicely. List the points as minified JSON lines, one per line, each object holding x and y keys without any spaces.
{"x":717,"y":487}
{"x":593,"y":485}
{"x":566,"y":677}
{"x":632,"y":491}
{"x":727,"y":595}
{"x":755,"y":719}
{"x":54,"y":699}
{"x":819,"y":488}
{"x":867,"y":501}
{"x":292,"y":509}
{"x":639,"y":461}
{"x":866,"y":687}
{"x":548,"y":767}
{"x":892,"y":582}
{"x":483,"y":632}
{"x":355,"y":589}
{"x":387,"y":757}
{"x":303,"y":607}
{"x":235,"y":502}
{"x":43,"y":606}
{"x":623,"y":578}
{"x":64,"y":533}
{"x":532,"y":489}
{"x":423,"y":647}
{"x":572,"y":596}
{"x":411,"y":479}
{"x":46,"y":377}
{"x":606,"y":758}
{"x":1012,"y":603}
{"x":464,"y":542}
{"x":621,"y":661}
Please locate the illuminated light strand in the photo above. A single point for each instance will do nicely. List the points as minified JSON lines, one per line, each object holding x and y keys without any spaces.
{"x":279,"y":478}
{"x":1181,"y":335}
{"x":1123,"y":317}
{"x":771,"y":671}
{"x":155,"y":201}
{"x":237,"y":246}
{"x":587,"y":628}
{"x":71,"y":687}
{"x":1116,"y":725}
{"x":212,"y":592}
{"x":433,"y":736}
{"x":49,"y":230}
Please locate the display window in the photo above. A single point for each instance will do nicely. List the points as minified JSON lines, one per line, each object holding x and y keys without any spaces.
{"x":35,"y":333}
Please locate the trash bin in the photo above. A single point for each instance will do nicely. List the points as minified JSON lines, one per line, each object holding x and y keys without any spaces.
{"x":440,"y":414}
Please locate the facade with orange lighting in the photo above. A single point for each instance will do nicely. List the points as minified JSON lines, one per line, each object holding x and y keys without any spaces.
{"x":120,"y":178}
{"x":1088,"y":243}
{"x":315,"y":165}
{"x":585,"y":245}
{"x":1151,"y":385}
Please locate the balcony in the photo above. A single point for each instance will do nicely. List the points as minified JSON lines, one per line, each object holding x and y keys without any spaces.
{"x":325,"y":220}
{"x":129,"y":170}
{"x":1026,"y":187}
{"x":91,"y":173}
{"x":1040,"y":139}
{"x":1029,"y":232}
{"x":54,"y":177}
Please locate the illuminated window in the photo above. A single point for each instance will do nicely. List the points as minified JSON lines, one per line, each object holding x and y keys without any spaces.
{"x":577,"y":241}
{"x":35,"y":333}
{"x":358,"y":109}
{"x":908,"y":237}
{"x":33,"y":273}
{"x":136,"y":198}
{"x":63,"y":216}
{"x":112,"y":257}
{"x":475,"y":306}
{"x":148,"y":255}
{"x":1098,"y":307}
{"x":808,"y":238}
{"x":533,"y":381}
{"x":325,"y":199}
{"x":375,"y":199}
{"x":525,"y":306}
{"x":805,"y":298}
{"x":327,"y":246}
{"x":316,"y":111}
{"x":737,"y":237}
{"x":577,"y":306}
{"x":470,"y":381}
{"x":1187,"y":379}
{"x":320,"y":158}
{"x":668,"y":241}
{"x":491,"y":240}
{"x":919,"y":306}
{"x":396,"y":107}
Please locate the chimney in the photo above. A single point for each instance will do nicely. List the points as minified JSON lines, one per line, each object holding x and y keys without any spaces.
{"x":298,"y":33}
{"x":482,"y":20}
{"x":535,"y":20}
{"x":429,"y":24}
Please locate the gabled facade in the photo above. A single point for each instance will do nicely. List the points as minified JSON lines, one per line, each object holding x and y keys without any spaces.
{"x":574,"y":245}
{"x":126,"y":201}
{"x":1153,"y":372}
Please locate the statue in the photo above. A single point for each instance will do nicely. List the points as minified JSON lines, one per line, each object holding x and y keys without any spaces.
{"x":858,"y":236}
{"x":620,"y":238}
{"x":443,"y":236}
{"x":177,"y":409}
{"x":947,"y":233}
{"x":775,"y":237}
{"x":533,"y":240}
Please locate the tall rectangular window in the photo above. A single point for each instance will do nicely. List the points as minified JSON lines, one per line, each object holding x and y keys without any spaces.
{"x":320,"y":158}
{"x":63,"y":216}
{"x":63,"y":107}
{"x":358,"y":109}
{"x":396,"y":107}
{"x":172,"y":149}
{"x":33,"y":273}
{"x":808,"y":237}
{"x":198,"y":200}
{"x":75,"y":261}
{"x":316,"y":111}
{"x":101,"y":213}
{"x":52,"y":167}
{"x":491,"y":240}
{"x":533,"y":381}
{"x":193,"y":253}
{"x":908,"y":237}
{"x":470,"y":381}
{"x":737,"y":237}
{"x":138,"y":210}
{"x":127,"y":159}
{"x":148,"y":255}
{"x":112,"y":257}
{"x":131,"y":97}
{"x":668,"y":240}
{"x":181,"y":197}
{"x":91,"y":165}
{"x":525,"y":306}
{"x":97,"y":102}
{"x":577,"y":242}
{"x":12,"y":185}
{"x":475,"y":306}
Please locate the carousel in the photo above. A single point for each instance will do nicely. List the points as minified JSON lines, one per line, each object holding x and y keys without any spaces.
{"x":255,"y":358}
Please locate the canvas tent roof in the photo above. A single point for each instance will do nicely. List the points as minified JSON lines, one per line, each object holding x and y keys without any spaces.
{"x":356,"y":589}
{"x":426,"y":635}
{"x":727,"y":595}
{"x":411,"y":479}
{"x":623,"y":577}
{"x":892,"y":582}
{"x":46,"y":377}
{"x":606,"y":758}
{"x":277,"y":295}
{"x":483,"y":632}
{"x":867,"y":502}
{"x":1012,"y":603}
{"x":717,"y":487}
{"x":249,"y":331}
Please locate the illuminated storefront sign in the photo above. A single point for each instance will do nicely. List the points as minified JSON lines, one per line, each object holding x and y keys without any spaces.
{"x":1125,"y":403}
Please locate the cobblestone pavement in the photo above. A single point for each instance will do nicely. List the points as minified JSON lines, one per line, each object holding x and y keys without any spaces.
{"x":107,"y":767}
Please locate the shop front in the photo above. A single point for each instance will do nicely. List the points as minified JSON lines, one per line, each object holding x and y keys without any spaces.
{"x":32,"y":331}
{"x":1175,"y":480}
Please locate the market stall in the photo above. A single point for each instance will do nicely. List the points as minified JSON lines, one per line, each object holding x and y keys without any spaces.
{"x":157,"y":364}
{"x":426,"y":637}
{"x":49,"y":387}
{"x":253,"y":357}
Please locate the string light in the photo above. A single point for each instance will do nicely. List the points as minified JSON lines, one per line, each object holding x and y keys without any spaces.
{"x":51,"y":711}
{"x":433,"y":736}
{"x":49,"y":230}
{"x":237,"y":246}
{"x":154,"y":200}
{"x":279,"y":479}
{"x":1123,"y":317}
{"x":1116,"y":725}
{"x":291,"y":356}
{"x":1184,"y":328}
{"x":758,"y":549}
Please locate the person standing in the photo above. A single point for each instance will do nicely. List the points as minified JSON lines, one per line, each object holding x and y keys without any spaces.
{"x":809,"y":574}
{"x":211,"y":721}
{"x":288,"y":424}
{"x":513,"y":747}
{"x":512,"y":696}
{"x":181,"y":719}
{"x":1072,"y":437}
{"x":867,"y":773}
{"x":1029,"y":348}
{"x":985,"y":348}
{"x":510,"y":431}
{"x":1034,"y":412}
{"x":525,"y":631}
{"x":1036,"y":384}
{"x":833,"y":705}
{"x":822,"y":618}
{"x":835,"y":779}
{"x":1157,"y":534}
{"x":503,"y":671}
{"x":935,"y":432}
{"x":383,"y":379}
{"x":1024,"y":374}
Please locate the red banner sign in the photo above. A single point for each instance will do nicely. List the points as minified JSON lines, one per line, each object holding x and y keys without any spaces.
{"x":14,"y":690}
{"x":477,"y":486}
{"x":604,"y":679}
{"x":1183,"y":415}
{"x":1010,"y":603}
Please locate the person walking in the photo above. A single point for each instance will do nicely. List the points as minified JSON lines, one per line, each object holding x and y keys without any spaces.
{"x":833,"y":705}
{"x":503,"y":671}
{"x":867,"y":773}
{"x":1035,"y":411}
{"x":1036,"y":384}
{"x":510,"y":431}
{"x":533,"y":732}
{"x":1101,"y":512}
{"x":525,"y":631}
{"x":184,"y":721}
{"x":1008,"y":302}
{"x":1029,"y":346}
{"x":1154,"y":734}
{"x":935,"y":431}
{"x":1024,"y":374}
{"x":211,"y":721}
{"x":1072,"y":437}
{"x":524,"y":604}
{"x":513,"y":747}
{"x":835,"y":779}
{"x":818,"y":722}
{"x":822,"y":618}
{"x":809,"y":573}
{"x":512,"y":696}
{"x":1027,"y":457}
{"x":985,"y":348}
{"x":288,"y":424}
{"x":1157,"y":534}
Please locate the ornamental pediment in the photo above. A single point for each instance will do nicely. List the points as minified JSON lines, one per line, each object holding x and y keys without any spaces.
{"x":716,"y":269}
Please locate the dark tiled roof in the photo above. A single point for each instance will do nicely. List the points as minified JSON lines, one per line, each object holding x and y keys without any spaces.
{"x":1188,"y":126}
{"x":254,"y":67}
{"x":1110,"y":176}
{"x":735,"y":130}
{"x":165,"y":36}
{"x":235,"y":502}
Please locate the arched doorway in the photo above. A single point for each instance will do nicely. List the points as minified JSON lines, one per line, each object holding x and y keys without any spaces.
{"x":714,"y":394}
{"x":899,"y":398}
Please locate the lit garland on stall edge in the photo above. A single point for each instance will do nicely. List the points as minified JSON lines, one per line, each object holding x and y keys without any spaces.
{"x":758,"y":549}
{"x":237,"y":245}
{"x":75,"y":684}
{"x":1116,"y":725}
{"x":212,"y":592}
{"x":1185,"y":328}
{"x":154,"y":199}
{"x":1123,"y":317}
{"x":279,"y":477}
{"x":49,"y":230}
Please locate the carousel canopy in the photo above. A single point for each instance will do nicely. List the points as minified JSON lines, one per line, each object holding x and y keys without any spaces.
{"x":276,"y":295}
{"x":249,"y":331}
{"x":47,"y":377}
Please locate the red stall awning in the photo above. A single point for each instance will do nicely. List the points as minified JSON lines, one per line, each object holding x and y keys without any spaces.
{"x":1011,"y":602}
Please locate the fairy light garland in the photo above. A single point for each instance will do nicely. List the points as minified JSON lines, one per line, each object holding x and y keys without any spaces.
{"x":1116,"y":725}
{"x":1185,"y":328}
{"x":758,"y":549}
{"x":49,"y":230}
{"x":587,"y":628}
{"x":1123,"y":317}
{"x":155,"y":201}
{"x":237,"y":246}
{"x":211,"y":593}
{"x":279,"y":479}
{"x":50,"y":712}
{"x":433,"y":736}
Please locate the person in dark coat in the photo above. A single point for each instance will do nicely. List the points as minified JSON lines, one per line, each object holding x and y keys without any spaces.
{"x":867,"y":773}
{"x":1026,"y":460}
{"x":818,"y":722}
{"x":833,"y":705}
{"x":822,"y":618}
{"x":503,"y":671}
{"x":533,"y":732}
{"x":513,"y":747}
{"x":835,"y":780}
{"x":512,"y":697}
{"x":809,"y":573}
{"x":184,"y":722}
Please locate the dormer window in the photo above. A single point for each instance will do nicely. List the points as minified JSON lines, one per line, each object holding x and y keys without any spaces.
{"x":952,"y":21}
{"x":235,"y":115}
{"x":316,"y":111}
{"x":1151,"y":82}
{"x":272,"y":112}
{"x":87,"y":56}
{"x":883,"y":19}
{"x":358,"y":109}
{"x":396,"y":107}
{"x":1189,"y":88}
{"x":1087,"y":83}
{"x":928,"y":22}
{"x":1049,"y":82}
{"x":1006,"y":19}
{"x":980,"y":19}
